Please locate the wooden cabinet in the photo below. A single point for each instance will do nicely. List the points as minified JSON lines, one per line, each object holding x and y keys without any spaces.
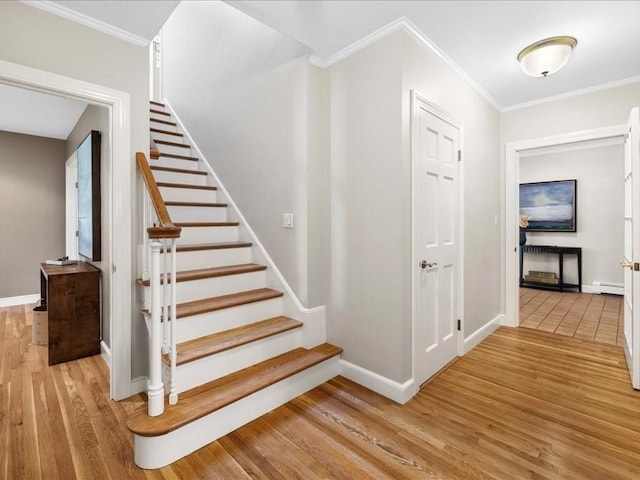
{"x":72,"y":296}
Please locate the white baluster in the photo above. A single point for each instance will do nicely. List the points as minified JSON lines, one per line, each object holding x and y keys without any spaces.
{"x":173,"y":395}
{"x":155,"y":388}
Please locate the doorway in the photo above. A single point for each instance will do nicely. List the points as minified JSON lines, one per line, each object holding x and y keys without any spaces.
{"x":117,"y":103}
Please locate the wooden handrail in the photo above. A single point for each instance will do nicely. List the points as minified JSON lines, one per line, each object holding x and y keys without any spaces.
{"x":154,"y":151}
{"x":166,"y":228}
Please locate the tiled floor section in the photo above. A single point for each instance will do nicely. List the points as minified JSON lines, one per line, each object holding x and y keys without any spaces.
{"x":581,"y":315}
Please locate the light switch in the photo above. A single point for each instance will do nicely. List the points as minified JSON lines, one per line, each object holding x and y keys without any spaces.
{"x":287,"y":220}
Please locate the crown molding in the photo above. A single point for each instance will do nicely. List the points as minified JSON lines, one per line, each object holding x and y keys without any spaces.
{"x":82,"y":19}
{"x":574,"y":93}
{"x":402,"y":23}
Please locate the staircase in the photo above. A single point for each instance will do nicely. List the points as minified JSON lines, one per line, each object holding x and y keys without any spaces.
{"x":238,"y":355}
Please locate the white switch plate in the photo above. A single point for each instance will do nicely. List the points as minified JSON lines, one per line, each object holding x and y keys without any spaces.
{"x":287,"y":220}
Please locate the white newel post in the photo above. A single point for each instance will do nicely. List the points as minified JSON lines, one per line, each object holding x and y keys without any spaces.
{"x":155,"y":388}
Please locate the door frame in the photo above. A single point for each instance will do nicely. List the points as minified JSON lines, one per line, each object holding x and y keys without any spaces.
{"x":120,"y":215}
{"x":71,"y":206}
{"x":419,"y":100}
{"x":512,"y":204}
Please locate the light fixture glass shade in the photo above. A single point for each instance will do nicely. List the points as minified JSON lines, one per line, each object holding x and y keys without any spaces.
{"x":546,"y":56}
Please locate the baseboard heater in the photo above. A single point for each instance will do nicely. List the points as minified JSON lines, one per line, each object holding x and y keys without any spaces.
{"x":608,"y":287}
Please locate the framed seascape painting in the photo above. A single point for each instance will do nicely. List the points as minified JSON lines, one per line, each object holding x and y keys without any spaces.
{"x":550,"y":206}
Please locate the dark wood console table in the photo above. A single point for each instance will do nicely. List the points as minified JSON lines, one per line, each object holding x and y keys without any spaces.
{"x":72,"y":296}
{"x":561,"y":252}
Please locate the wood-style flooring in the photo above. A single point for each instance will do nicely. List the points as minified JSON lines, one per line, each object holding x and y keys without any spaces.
{"x":524,"y":404}
{"x":586,"y":316}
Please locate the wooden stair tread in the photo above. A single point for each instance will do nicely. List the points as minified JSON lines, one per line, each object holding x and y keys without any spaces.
{"x":166,"y":132}
{"x":172,"y":203}
{"x":159,"y":112}
{"x":164,"y":122}
{"x":194,"y":247}
{"x":206,"y":224}
{"x":179,"y":157}
{"x":172,"y":144}
{"x":212,"y":396}
{"x":186,"y":185}
{"x":236,"y":337}
{"x":221,"y":302}
{"x":153,"y":102}
{"x":178,"y":170}
{"x":201,"y":273}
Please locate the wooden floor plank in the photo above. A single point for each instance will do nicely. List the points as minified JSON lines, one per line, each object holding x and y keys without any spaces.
{"x":524,"y":404}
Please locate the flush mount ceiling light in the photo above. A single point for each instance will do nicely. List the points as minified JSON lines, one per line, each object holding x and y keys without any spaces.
{"x":546,"y":56}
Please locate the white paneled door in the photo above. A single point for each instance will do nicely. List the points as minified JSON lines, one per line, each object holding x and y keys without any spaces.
{"x":632,"y":248}
{"x":436,"y":240}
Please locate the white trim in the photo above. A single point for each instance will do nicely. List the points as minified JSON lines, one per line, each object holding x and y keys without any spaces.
{"x":573,"y":93}
{"x":19,"y":300}
{"x":512,"y":204}
{"x":402,"y":23}
{"x":398,"y":392}
{"x":437,"y":111}
{"x":483,"y":332}
{"x":105,"y":353}
{"x":87,"y":21}
{"x":314,"y":319}
{"x":118,"y":104}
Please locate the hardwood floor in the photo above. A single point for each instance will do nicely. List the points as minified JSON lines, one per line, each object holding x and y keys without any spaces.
{"x":524,"y":404}
{"x":581,"y":315}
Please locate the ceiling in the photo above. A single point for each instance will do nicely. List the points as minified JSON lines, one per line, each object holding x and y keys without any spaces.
{"x":480,"y":38}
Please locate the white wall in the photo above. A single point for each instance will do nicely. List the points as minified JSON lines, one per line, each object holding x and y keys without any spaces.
{"x":600,"y":210}
{"x":29,"y":36}
{"x":245,"y":93}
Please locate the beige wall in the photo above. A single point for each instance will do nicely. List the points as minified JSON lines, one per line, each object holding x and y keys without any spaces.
{"x":32,"y":37}
{"x":97,"y":118}
{"x":369,"y":187}
{"x":32,"y":203}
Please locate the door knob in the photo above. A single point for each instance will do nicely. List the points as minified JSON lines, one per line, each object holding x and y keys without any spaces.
{"x":635,"y":266}
{"x":425,"y":264}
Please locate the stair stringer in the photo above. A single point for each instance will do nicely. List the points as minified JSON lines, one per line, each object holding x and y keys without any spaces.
{"x":159,"y":451}
{"x":314,"y":330}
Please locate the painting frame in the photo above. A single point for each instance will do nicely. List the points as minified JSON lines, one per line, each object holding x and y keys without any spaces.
{"x":550,"y":206}
{"x":89,"y":204}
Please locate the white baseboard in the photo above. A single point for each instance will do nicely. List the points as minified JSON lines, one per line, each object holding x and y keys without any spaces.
{"x":398,"y":392}
{"x":483,"y":332}
{"x":105,"y":352}
{"x":19,"y":300}
{"x":138,"y":385}
{"x":604,"y":287}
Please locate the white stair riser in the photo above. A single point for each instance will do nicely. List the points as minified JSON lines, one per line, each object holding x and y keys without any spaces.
{"x":175,"y":163}
{"x":156,"y":452}
{"x":212,"y":258}
{"x":192,"y":235}
{"x":154,"y":115}
{"x":177,"y":194}
{"x":177,"y":177}
{"x":173,"y":149}
{"x":210,"y":368}
{"x":163,"y":126}
{"x":213,"y":287}
{"x":197,"y":214}
{"x":197,"y":326}
{"x":165,"y":136}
